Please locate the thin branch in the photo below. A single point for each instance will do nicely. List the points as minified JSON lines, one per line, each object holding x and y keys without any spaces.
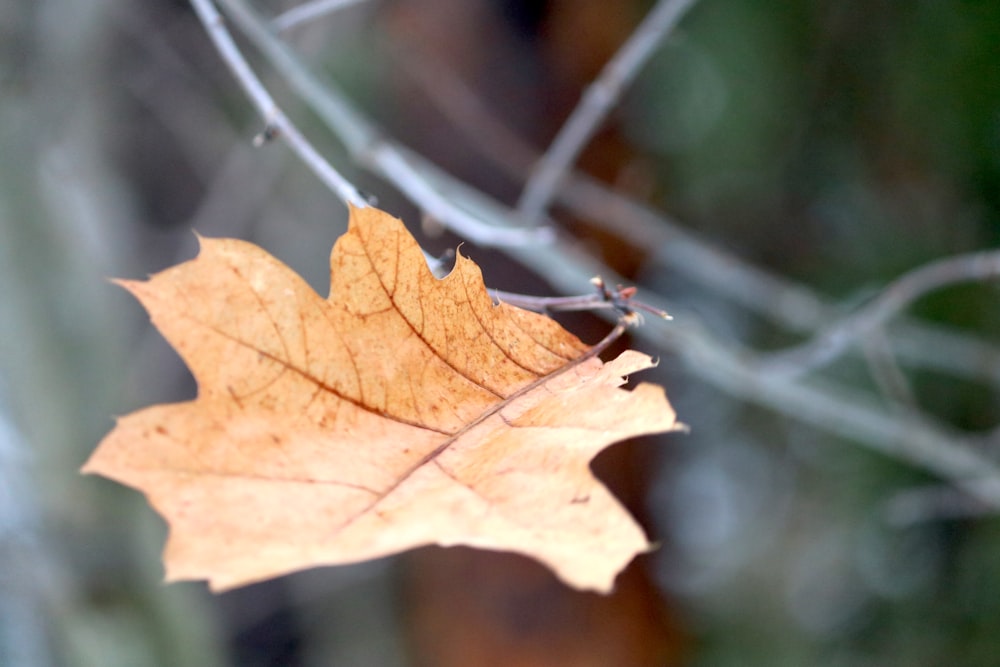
{"x":275,"y":120}
{"x":849,"y":412}
{"x":831,"y":343}
{"x":903,"y":435}
{"x":620,"y":299}
{"x":309,"y":11}
{"x":365,"y":144}
{"x":943,"y":349}
{"x":846,"y":411}
{"x":395,"y":165}
{"x":599,"y":98}
{"x":672,"y":245}
{"x":795,"y":307}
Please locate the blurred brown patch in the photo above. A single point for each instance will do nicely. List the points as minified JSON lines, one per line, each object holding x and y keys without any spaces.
{"x":467,"y":607}
{"x":483,"y":608}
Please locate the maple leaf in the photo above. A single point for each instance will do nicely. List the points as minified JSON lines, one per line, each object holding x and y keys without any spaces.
{"x":402,"y":411}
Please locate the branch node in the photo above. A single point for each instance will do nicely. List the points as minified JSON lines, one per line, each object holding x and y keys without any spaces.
{"x":267,"y":135}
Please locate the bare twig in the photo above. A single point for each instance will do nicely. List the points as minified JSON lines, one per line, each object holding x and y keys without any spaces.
{"x":901,"y":434}
{"x":275,"y":120}
{"x":309,"y":11}
{"x":365,"y":144}
{"x":943,"y":349}
{"x":791,"y":305}
{"x":673,"y":246}
{"x":848,"y":412}
{"x":795,"y":307}
{"x":829,"y":344}
{"x":620,"y":299}
{"x":396,"y":166}
{"x":599,"y":98}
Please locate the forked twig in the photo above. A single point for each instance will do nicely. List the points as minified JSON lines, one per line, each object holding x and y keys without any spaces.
{"x":366,"y":145}
{"x":276,"y":123}
{"x":902,"y":434}
{"x":791,"y":306}
{"x":598,"y":99}
{"x":829,"y":344}
{"x":830,"y":406}
{"x":620,"y":300}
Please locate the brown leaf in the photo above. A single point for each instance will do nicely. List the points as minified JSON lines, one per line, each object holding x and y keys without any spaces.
{"x":402,"y":411}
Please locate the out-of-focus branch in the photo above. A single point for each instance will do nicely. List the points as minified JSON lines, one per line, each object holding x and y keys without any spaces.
{"x":309,"y":11}
{"x":790,"y":305}
{"x":829,"y":344}
{"x":847,"y":412}
{"x":886,"y":373}
{"x":597,"y":100}
{"x":901,"y":433}
{"x":673,"y":246}
{"x":275,"y":120}
{"x":933,"y":503}
{"x":24,"y":554}
{"x":794,"y":307}
{"x":366,"y":145}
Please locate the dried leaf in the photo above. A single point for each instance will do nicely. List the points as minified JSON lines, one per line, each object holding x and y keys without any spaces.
{"x":401,"y":411}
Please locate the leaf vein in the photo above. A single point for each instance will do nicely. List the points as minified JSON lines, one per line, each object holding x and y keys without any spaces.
{"x":419,"y":334}
{"x":315,"y":380}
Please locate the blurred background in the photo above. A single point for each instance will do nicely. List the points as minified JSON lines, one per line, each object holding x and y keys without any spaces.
{"x":836,"y":145}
